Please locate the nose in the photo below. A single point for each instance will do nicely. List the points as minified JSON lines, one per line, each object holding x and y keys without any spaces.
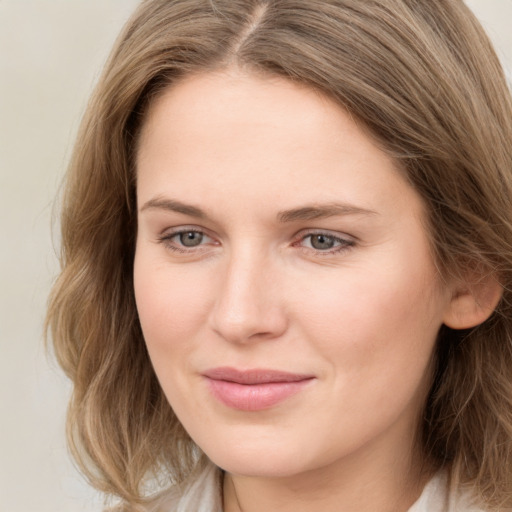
{"x":248,"y":306}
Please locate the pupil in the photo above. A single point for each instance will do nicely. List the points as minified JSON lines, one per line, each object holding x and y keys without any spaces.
{"x":191,"y":239}
{"x":322,"y":242}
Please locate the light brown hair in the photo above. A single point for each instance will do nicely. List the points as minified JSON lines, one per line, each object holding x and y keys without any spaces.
{"x":424,"y":80}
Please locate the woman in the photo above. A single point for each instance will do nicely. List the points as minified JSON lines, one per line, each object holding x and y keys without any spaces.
{"x":287,"y":261}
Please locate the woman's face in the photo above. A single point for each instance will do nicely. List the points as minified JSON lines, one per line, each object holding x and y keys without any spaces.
{"x":283,"y":277}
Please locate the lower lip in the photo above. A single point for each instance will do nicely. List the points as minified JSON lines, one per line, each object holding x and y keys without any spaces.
{"x":254,"y":397}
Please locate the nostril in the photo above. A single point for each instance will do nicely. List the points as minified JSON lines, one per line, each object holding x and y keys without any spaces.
{"x":246,"y":321}
{"x":248,"y":305}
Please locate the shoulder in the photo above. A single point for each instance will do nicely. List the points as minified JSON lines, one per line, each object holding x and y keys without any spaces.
{"x":438,"y":497}
{"x":201,"y":492}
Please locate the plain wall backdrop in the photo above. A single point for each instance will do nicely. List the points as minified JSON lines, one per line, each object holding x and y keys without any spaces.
{"x":51,"y":52}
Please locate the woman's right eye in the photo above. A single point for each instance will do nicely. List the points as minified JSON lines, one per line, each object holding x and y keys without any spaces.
{"x":190,"y":238}
{"x":185,"y":240}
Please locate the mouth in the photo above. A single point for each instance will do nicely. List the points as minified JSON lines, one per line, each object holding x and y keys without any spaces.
{"x":254,"y":390}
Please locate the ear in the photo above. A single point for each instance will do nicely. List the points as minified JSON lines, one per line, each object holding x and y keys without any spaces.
{"x":474,"y":302}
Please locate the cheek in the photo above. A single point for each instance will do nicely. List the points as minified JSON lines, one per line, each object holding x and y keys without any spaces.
{"x":376,"y":322}
{"x":172,"y":305}
{"x":376,"y":333}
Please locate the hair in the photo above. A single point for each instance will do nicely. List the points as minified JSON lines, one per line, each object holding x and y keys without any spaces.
{"x":423,"y":78}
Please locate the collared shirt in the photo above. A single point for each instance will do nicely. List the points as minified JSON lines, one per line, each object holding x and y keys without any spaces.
{"x":203,"y":493}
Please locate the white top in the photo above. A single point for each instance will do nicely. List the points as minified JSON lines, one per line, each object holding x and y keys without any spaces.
{"x":436,"y":498}
{"x":204,"y":494}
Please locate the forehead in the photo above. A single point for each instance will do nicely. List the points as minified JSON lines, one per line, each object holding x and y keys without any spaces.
{"x":233,"y":98}
{"x":247,"y":135}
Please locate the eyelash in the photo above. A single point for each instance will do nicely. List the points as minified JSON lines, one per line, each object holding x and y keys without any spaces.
{"x":344,"y":244}
{"x":167,"y":238}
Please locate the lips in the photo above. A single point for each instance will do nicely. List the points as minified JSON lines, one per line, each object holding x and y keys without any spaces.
{"x":254,"y":390}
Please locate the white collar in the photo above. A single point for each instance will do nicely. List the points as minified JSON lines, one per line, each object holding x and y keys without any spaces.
{"x":202,"y":492}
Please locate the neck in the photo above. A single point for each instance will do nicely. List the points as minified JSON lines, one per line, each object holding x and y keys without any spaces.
{"x":354,"y":485}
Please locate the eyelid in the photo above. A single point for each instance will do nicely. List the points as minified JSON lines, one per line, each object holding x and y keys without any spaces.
{"x":346,"y":241}
{"x":345,"y":237}
{"x":166,"y":236}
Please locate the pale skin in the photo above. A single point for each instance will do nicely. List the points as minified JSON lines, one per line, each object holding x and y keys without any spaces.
{"x":273,"y":233}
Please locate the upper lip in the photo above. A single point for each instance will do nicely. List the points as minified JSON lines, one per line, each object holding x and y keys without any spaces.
{"x":254,"y":376}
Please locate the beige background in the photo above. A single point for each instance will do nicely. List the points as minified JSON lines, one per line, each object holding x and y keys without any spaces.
{"x":50,"y":54}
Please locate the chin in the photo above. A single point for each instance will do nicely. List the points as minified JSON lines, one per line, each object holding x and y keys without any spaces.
{"x":260,"y":468}
{"x":259,"y":460}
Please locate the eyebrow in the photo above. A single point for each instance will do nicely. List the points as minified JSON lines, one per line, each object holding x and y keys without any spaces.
{"x":322,"y":211}
{"x":173,"y":206}
{"x":304,"y":213}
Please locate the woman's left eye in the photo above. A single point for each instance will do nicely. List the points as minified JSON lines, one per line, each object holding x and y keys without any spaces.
{"x":324,"y":242}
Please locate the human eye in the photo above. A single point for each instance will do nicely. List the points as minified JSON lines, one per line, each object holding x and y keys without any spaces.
{"x":324,"y":243}
{"x":185,"y":239}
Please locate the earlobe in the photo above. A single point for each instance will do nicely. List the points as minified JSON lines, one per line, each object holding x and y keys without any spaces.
{"x":472,"y":304}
